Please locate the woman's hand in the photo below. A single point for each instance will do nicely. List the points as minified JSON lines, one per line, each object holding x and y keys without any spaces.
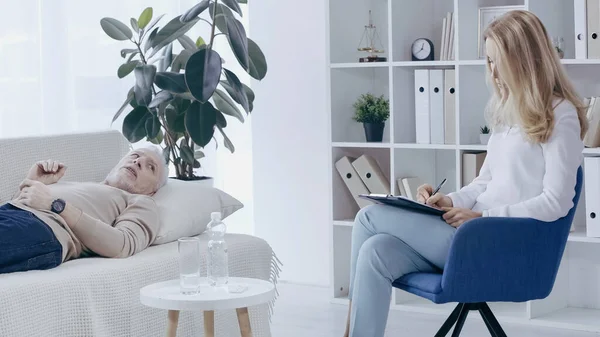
{"x":438,"y":200}
{"x":457,"y":216}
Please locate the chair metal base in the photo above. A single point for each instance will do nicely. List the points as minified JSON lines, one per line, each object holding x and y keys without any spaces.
{"x":459,"y":315}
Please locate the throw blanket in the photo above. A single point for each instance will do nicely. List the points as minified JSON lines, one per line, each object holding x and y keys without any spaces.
{"x":100,"y":297}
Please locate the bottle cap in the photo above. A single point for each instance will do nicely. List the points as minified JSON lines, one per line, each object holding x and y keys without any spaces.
{"x":215,"y":216}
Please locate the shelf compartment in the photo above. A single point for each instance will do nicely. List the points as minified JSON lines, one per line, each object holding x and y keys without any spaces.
{"x":347,"y":30}
{"x":473,"y":98}
{"x":468,"y":25}
{"x":418,"y":19}
{"x":347,"y":85}
{"x":429,"y":166}
{"x":425,"y":64}
{"x":344,"y":205}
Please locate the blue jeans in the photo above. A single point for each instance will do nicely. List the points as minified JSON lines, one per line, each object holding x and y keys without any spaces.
{"x":387,"y":243}
{"x":26,"y":242}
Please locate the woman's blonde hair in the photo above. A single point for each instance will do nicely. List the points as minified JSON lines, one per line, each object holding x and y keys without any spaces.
{"x":529,"y":70}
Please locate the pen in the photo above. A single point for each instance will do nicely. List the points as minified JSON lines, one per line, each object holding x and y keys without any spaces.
{"x":437,"y":189}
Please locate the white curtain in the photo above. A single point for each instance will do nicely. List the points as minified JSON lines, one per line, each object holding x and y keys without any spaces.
{"x":58,"y":74}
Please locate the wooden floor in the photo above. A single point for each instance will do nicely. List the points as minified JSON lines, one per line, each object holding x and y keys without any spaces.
{"x":304,"y":311}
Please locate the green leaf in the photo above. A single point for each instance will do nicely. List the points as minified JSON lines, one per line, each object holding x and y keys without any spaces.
{"x":161,"y":97}
{"x":243,"y":1}
{"x":134,"y":25}
{"x":150,"y":39}
{"x":187,"y":154}
{"x":193,"y":12}
{"x":187,"y":43}
{"x":227,"y":141}
{"x":249,"y":93}
{"x":134,"y":124}
{"x":152,"y":127}
{"x":172,"y":82}
{"x":145,"y":17}
{"x":200,"y":42}
{"x":237,"y":89}
{"x":170,"y":33}
{"x":196,"y":164}
{"x":126,"y":51}
{"x":181,"y":60}
{"x":198,"y":154}
{"x":236,"y":34}
{"x":257,"y":61}
{"x":226,"y":105}
{"x":126,"y":68}
{"x":144,"y":78}
{"x":180,"y":104}
{"x":132,"y":56}
{"x":233,"y":5}
{"x":202,"y":73}
{"x":154,"y":22}
{"x":175,"y":120}
{"x":200,"y":120}
{"x":158,"y":139}
{"x":168,"y":58}
{"x":219,"y":16}
{"x":116,"y":29}
{"x":220,"y":119}
{"x":122,"y":108}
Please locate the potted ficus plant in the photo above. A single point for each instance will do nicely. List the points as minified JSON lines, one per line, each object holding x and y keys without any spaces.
{"x":484,"y":135}
{"x":180,"y":101}
{"x":372,"y":112}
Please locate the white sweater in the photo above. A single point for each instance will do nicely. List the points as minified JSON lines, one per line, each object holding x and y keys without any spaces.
{"x":522,"y":179}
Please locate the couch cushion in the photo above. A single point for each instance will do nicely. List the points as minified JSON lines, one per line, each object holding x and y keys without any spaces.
{"x":184,"y":208}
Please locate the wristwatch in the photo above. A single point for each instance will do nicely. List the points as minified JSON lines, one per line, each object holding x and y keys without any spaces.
{"x":58,"y":206}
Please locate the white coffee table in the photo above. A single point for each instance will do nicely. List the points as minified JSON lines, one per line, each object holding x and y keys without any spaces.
{"x":166,"y":295}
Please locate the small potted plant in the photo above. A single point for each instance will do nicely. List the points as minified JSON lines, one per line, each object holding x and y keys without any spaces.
{"x":372,"y":112}
{"x":484,"y":136}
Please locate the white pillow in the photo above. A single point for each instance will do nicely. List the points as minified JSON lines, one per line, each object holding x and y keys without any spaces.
{"x":184,"y":208}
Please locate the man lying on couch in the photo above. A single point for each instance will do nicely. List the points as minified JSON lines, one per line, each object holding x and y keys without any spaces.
{"x":47,"y":223}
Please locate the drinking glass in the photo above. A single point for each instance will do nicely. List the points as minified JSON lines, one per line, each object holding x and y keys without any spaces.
{"x":189,"y":265}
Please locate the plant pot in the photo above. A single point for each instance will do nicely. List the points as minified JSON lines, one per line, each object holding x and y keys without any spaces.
{"x":374,"y":131}
{"x":202,"y":181}
{"x":484,"y":138}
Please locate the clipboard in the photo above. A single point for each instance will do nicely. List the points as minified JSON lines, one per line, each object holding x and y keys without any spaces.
{"x":402,"y":202}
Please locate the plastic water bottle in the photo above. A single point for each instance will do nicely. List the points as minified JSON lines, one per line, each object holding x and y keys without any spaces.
{"x":217,"y":264}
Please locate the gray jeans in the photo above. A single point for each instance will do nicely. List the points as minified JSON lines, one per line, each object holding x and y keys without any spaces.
{"x":387,"y":243}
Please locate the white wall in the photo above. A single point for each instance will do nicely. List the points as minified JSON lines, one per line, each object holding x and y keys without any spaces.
{"x":290,"y":137}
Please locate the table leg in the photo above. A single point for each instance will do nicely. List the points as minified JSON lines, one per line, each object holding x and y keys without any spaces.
{"x":173,"y":320}
{"x":244,"y":321}
{"x":209,"y":324}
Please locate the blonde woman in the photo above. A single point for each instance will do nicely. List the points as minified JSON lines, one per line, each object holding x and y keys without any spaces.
{"x":535,"y":150}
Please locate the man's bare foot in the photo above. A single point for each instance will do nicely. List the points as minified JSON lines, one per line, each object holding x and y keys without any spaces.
{"x":347,"y":333}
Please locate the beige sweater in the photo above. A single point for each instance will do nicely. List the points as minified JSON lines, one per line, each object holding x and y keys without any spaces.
{"x":114,"y":223}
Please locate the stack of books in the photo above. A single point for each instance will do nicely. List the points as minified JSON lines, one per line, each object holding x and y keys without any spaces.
{"x":447,"y":51}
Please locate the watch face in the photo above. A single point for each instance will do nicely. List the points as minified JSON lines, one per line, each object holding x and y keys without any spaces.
{"x":58,"y":206}
{"x":421,"y":49}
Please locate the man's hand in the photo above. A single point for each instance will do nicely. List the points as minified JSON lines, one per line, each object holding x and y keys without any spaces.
{"x":47,"y":172}
{"x":457,"y":216}
{"x":35,"y":195}
{"x":438,"y":200}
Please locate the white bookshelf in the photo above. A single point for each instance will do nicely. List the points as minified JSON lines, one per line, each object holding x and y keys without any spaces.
{"x":575,"y":300}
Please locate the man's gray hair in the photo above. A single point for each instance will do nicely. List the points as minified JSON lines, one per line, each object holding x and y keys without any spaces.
{"x":159,"y":153}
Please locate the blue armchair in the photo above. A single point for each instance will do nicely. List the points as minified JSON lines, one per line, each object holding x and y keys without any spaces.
{"x":495,"y":260}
